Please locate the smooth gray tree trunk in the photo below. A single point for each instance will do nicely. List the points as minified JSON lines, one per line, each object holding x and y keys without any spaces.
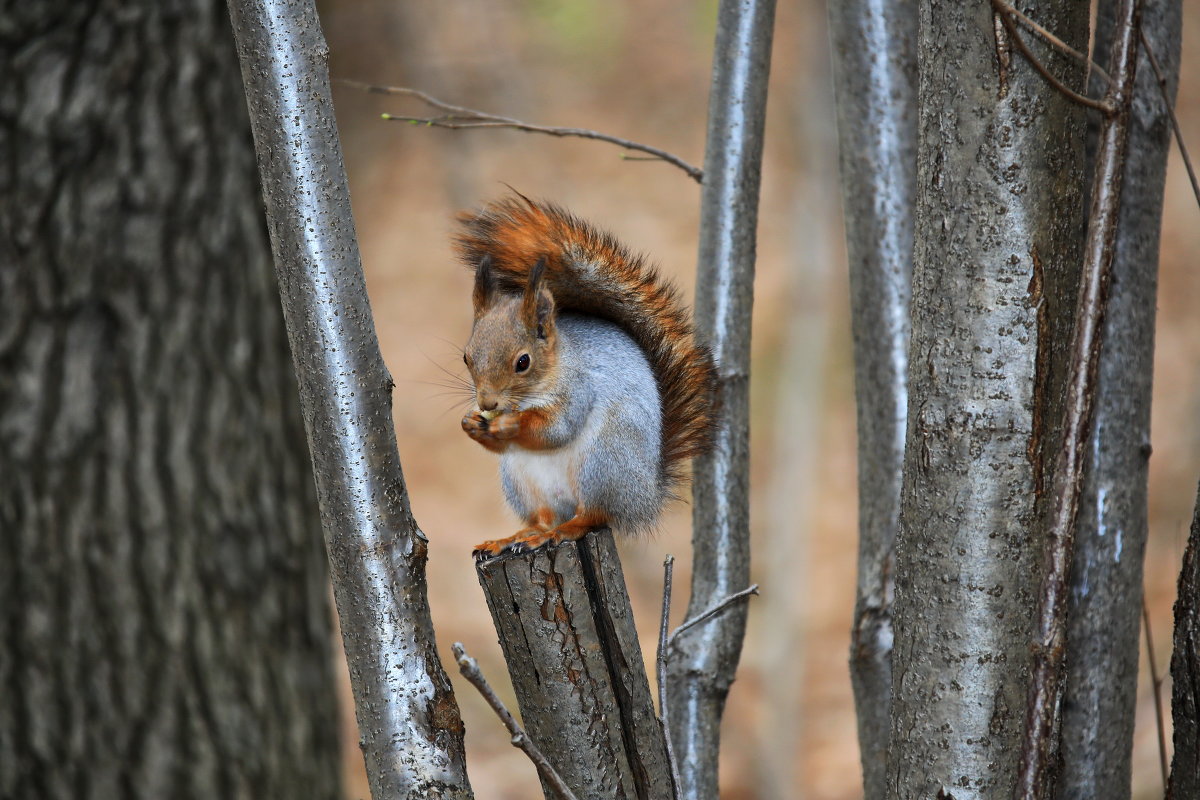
{"x":875,"y":73}
{"x":1106,"y":584}
{"x":164,"y":623}
{"x":998,"y":246}
{"x":412,"y":733}
{"x":703,"y":669}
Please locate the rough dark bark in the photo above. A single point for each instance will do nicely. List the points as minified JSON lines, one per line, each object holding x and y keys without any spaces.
{"x":703,"y":669}
{"x":567,"y":632}
{"x":412,"y":734}
{"x":875,"y":73}
{"x":1106,"y":583}
{"x":1185,"y":673}
{"x":996,"y":259}
{"x":164,"y":628}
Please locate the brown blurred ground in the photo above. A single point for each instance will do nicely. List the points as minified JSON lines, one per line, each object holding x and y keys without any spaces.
{"x":641,"y":70}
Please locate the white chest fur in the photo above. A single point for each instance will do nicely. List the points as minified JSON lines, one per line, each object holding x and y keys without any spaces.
{"x":546,"y":478}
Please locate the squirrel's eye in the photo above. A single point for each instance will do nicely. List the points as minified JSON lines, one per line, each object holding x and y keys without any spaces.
{"x":523,"y":362}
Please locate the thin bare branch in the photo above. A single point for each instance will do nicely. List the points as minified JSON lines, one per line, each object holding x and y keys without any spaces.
{"x":1156,"y":683}
{"x":404,"y":91}
{"x":1013,"y":12}
{"x":665,"y":645}
{"x":661,"y":668}
{"x":711,"y":611}
{"x":469,"y":668}
{"x":1040,"y":741}
{"x":1015,"y":35}
{"x":459,"y":118}
{"x":1161,"y":80}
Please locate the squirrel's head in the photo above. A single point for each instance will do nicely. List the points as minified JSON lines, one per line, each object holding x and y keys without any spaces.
{"x":511,"y":353}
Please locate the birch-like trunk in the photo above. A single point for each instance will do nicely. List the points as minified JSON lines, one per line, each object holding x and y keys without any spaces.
{"x":875,"y":73}
{"x":164,"y":627}
{"x":704,"y":665}
{"x":412,"y":734}
{"x":998,"y":246}
{"x":1106,"y":584}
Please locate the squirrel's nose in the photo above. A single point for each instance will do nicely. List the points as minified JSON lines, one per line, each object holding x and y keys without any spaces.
{"x":488,"y":405}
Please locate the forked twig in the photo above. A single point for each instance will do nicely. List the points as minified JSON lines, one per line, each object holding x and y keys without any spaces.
{"x":1161,"y":80}
{"x":460,"y":117}
{"x":1006,"y":8}
{"x":1007,"y":18}
{"x":1156,"y":682}
{"x":666,"y":643}
{"x":469,"y":668}
{"x":711,"y":611}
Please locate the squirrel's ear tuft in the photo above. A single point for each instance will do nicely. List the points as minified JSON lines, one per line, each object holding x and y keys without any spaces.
{"x":537,"y":304}
{"x":485,"y":284}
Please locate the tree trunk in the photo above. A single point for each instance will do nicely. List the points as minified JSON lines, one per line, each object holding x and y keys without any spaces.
{"x":875,"y":69}
{"x":566,"y":628}
{"x":412,"y":734}
{"x":1106,"y":584}
{"x":998,"y":246}
{"x":703,"y":668}
{"x":162,"y":580}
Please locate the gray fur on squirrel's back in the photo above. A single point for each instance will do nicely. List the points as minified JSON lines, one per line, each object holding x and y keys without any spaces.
{"x":611,"y":402}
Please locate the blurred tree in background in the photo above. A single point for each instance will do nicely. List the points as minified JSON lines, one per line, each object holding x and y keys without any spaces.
{"x":163,"y":601}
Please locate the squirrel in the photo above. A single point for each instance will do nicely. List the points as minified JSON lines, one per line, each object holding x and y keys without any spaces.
{"x":588,"y":380}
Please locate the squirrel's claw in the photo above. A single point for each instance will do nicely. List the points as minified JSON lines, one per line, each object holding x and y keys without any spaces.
{"x":503,"y":547}
{"x":532,"y":538}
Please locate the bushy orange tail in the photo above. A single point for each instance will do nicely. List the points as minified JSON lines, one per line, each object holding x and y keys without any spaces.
{"x":589,"y":272}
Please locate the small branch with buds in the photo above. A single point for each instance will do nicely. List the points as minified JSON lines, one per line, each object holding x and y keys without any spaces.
{"x":460,"y":118}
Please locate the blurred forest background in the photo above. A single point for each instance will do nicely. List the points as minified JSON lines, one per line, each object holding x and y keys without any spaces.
{"x":640,"y":70}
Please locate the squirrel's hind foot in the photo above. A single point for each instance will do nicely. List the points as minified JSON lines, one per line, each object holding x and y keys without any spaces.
{"x":528,"y":539}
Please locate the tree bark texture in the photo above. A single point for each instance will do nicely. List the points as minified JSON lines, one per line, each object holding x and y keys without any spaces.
{"x":163,"y":589}
{"x":412,"y":734}
{"x":703,"y":669}
{"x":998,"y":244}
{"x":1185,"y":673}
{"x":1040,"y":744}
{"x":566,"y":628}
{"x":1106,"y":583}
{"x":875,"y":74}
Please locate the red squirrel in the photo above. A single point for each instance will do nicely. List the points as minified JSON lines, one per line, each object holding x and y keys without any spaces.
{"x":588,"y":380}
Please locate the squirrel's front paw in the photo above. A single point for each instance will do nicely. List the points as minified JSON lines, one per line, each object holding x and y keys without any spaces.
{"x":491,"y":433}
{"x":505,"y":427}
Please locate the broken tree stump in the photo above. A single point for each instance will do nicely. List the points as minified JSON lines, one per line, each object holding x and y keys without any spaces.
{"x":567,"y":632}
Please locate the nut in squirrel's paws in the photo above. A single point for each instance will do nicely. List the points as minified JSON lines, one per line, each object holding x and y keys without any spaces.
{"x":489,"y":415}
